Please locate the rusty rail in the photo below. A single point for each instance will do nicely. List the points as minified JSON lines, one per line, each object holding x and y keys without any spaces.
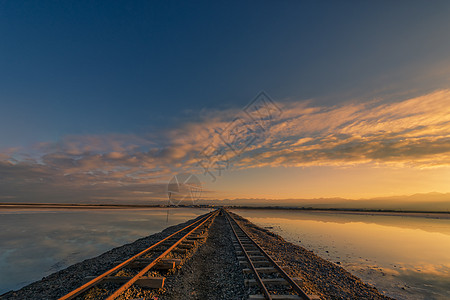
{"x":236,"y":227}
{"x":195,"y":225}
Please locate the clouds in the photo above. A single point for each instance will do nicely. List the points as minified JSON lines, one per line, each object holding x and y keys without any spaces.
{"x":413,"y":132}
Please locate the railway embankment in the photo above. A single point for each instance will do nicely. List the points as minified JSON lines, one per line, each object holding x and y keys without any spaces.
{"x":211,"y":270}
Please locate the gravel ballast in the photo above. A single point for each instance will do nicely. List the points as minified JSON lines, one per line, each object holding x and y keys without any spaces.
{"x":62,"y":282}
{"x":318,"y":276}
{"x":213,"y":270}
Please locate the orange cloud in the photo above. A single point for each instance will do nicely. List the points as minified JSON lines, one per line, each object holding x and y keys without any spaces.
{"x":413,"y":132}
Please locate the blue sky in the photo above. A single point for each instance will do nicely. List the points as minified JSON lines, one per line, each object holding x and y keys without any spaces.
{"x":140,"y":71}
{"x":91,"y":66}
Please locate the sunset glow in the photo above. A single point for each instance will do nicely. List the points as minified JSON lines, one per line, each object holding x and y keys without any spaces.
{"x":215,"y":149}
{"x":387,"y":135}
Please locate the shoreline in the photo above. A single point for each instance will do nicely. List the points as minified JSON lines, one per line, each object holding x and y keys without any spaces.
{"x":414,"y":214}
{"x":381,"y":212}
{"x":59,"y":283}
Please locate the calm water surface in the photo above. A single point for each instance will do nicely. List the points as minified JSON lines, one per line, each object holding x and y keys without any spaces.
{"x":35,"y":243}
{"x":405,"y":257}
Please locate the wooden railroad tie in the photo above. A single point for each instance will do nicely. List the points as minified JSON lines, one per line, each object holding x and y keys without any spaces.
{"x":257,"y":263}
{"x":185,"y":246}
{"x":138,"y":264}
{"x":277,"y":281}
{"x":275,"y":297}
{"x":282,"y":297}
{"x":240,"y":253}
{"x":197,"y":237}
{"x":189,"y":241}
{"x":180,"y":251}
{"x":148,"y":282}
{"x":163,"y":264}
{"x":264,"y":270}
{"x":253,"y":257}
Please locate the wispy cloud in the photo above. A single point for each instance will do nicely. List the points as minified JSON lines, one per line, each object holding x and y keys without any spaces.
{"x":413,"y":132}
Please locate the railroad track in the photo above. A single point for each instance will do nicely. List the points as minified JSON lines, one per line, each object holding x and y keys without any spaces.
{"x":158,"y":256}
{"x":263,"y":272}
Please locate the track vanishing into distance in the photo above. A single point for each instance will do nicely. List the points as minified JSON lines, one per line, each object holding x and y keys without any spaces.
{"x":269,"y":278}
{"x":145,"y":271}
{"x":135,"y":270}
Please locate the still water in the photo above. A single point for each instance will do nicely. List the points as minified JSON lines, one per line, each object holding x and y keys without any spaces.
{"x":35,"y":243}
{"x":404,"y":256}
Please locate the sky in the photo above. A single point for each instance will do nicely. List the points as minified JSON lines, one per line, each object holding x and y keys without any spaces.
{"x":106,"y":101}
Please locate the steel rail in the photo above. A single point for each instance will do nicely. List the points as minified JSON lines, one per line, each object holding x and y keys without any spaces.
{"x":99,"y":278}
{"x":255,"y":273}
{"x":283,"y":273}
{"x":129,"y":283}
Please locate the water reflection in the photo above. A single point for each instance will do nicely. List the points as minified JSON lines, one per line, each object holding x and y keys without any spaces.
{"x":36,"y":243}
{"x":406,"y":257}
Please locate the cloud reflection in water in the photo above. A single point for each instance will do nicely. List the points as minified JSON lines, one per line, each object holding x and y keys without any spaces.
{"x":36,"y":243}
{"x":403,"y":256}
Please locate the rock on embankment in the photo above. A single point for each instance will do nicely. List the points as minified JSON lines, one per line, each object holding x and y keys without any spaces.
{"x":319,"y":276}
{"x":62,"y":282}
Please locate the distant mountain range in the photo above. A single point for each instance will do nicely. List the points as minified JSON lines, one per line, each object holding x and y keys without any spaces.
{"x":417,"y":202}
{"x":438,"y":202}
